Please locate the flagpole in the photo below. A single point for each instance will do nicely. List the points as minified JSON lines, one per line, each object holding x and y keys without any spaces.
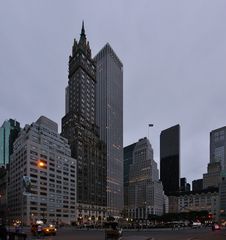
{"x":149,"y":125}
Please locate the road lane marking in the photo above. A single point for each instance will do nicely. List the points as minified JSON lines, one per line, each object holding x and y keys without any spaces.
{"x":193,"y":238}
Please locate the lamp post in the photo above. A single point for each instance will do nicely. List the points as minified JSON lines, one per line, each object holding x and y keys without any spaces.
{"x":145,"y":212}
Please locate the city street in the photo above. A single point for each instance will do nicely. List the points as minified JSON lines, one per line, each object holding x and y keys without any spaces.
{"x":153,"y":234}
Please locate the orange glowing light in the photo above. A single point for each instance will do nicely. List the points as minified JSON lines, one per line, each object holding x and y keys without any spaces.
{"x":41,"y":164}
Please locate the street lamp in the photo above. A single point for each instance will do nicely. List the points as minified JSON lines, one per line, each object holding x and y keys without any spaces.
{"x":41,"y":164}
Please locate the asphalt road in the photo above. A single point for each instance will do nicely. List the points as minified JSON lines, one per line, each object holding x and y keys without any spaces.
{"x":182,"y":234}
{"x":154,"y":234}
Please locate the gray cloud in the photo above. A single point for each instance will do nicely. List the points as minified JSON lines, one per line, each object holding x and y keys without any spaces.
{"x":174,"y":64}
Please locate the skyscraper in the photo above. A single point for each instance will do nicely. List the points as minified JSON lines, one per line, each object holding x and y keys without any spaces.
{"x":8,"y":133}
{"x":109,"y":117}
{"x":218,"y":147}
{"x":79,"y":127}
{"x":145,"y":190}
{"x":128,"y":160}
{"x":217,"y":163}
{"x":170,"y":159}
{"x":216,"y":170}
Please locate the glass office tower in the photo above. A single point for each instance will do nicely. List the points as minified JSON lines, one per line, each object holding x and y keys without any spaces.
{"x":128,"y":160}
{"x":218,"y":146}
{"x":109,"y":117}
{"x":170,"y":159}
{"x":8,"y":133}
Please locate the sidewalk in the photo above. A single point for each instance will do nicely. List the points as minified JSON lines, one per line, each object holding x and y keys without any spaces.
{"x":137,"y":238}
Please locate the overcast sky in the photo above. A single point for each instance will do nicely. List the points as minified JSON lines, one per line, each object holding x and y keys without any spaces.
{"x":174,"y":56}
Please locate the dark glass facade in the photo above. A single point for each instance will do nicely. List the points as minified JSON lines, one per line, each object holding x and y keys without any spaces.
{"x":8,"y":133}
{"x":184,"y":186}
{"x":218,"y":147}
{"x":109,"y":117}
{"x":4,"y":211}
{"x":79,"y":127}
{"x":128,"y":160}
{"x":170,"y":159}
{"x":183,"y":182}
{"x":197,"y":185}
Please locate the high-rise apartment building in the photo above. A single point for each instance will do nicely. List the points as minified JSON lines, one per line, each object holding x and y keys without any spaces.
{"x":145,"y":190}
{"x":79,"y":127}
{"x":8,"y":133}
{"x":44,"y":157}
{"x":109,"y":117}
{"x":170,"y":159}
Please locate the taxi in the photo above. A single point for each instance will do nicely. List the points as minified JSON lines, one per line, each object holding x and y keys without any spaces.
{"x":46,"y":229}
{"x":49,"y":230}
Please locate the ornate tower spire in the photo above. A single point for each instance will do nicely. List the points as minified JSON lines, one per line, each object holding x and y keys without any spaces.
{"x":82,"y":39}
{"x":83,"y":29}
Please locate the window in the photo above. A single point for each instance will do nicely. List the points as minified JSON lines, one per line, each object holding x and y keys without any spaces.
{"x":219,"y":136}
{"x":219,"y":155}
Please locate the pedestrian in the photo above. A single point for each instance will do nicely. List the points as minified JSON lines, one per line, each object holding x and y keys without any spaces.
{"x":173,"y":227}
{"x":3,"y":232}
{"x":39,"y":230}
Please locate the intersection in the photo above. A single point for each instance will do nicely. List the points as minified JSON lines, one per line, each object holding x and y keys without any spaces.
{"x":69,"y":233}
